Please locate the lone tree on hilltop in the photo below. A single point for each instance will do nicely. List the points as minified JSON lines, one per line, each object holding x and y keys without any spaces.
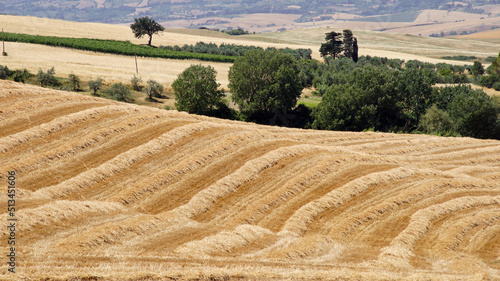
{"x":146,"y":26}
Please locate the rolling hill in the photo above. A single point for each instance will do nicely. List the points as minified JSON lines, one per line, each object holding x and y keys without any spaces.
{"x":114,"y":191}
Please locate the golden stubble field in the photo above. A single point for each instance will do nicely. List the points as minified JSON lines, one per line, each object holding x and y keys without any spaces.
{"x":114,"y":68}
{"x":114,"y":191}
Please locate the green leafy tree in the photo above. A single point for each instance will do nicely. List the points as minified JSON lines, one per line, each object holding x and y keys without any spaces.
{"x":119,"y":92}
{"x":4,"y":72}
{"x":418,"y":95}
{"x":196,"y":90}
{"x":350,"y":45}
{"x":265,"y":82}
{"x":237,"y":31}
{"x":153,"y":90}
{"x":146,"y":26}
{"x":47,"y":78}
{"x":436,"y":121}
{"x":346,"y":108}
{"x":477,"y":69}
{"x":375,"y":97}
{"x":333,"y":46}
{"x":74,"y":81}
{"x":474,"y":114}
{"x":494,"y":69}
{"x":21,"y":75}
{"x":95,"y":85}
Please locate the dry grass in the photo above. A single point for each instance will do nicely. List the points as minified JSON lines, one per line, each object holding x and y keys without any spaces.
{"x":124,"y":192}
{"x":90,"y":65}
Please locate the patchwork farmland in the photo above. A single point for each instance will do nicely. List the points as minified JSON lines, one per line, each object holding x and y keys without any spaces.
{"x":114,"y":191}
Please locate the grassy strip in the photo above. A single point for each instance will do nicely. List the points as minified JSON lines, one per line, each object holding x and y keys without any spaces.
{"x":461,"y":58}
{"x":399,"y":17}
{"x":112,"y":47}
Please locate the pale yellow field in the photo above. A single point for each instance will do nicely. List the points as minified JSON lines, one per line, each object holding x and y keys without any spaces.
{"x":492,"y":34}
{"x":90,"y":65}
{"x":113,"y":191}
{"x":51,"y":27}
{"x":392,"y":45}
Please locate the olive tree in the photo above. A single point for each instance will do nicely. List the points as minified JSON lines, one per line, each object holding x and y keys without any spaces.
{"x":153,"y":90}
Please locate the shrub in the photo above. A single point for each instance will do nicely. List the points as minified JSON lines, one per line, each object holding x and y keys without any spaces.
{"x":237,"y":31}
{"x":21,"y":75}
{"x":489,"y":80}
{"x":95,"y":85}
{"x":435,"y":121}
{"x":119,"y":92}
{"x":4,"y":72}
{"x":474,"y":114}
{"x":74,"y":81}
{"x":496,"y":86}
{"x":47,"y":78}
{"x":153,"y":90}
{"x":136,"y":83}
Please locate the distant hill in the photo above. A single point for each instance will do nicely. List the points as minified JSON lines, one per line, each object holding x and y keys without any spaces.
{"x":123,"y":11}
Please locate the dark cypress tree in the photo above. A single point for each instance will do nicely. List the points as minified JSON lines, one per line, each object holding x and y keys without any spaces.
{"x":355,"y":50}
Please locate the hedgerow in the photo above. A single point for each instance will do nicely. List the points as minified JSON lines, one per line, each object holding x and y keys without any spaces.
{"x":113,"y":47}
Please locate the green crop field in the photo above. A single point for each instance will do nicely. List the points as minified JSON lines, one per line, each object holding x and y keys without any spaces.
{"x":113,"y":47}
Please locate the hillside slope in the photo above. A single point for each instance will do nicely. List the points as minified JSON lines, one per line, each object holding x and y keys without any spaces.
{"x":123,"y":192}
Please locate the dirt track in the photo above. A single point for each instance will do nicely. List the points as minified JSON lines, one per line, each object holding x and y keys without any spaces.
{"x":118,"y":191}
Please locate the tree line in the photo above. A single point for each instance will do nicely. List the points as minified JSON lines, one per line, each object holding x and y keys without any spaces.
{"x":113,"y":47}
{"x":234,"y":50}
{"x":358,"y":93}
{"x":379,"y":94}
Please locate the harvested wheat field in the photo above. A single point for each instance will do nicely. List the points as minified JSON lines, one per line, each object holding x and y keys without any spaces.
{"x":114,"y":191}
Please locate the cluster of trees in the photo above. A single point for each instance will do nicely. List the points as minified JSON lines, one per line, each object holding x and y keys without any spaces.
{"x":236,"y":31}
{"x":340,"y":45}
{"x":262,"y":82}
{"x":116,"y":91}
{"x":233,"y":49}
{"x":492,"y":79}
{"x":16,"y":75}
{"x":365,"y":93}
{"x":43,"y":78}
{"x":463,"y":58}
{"x":367,"y":96}
{"x":374,"y":94}
{"x":316,"y":74}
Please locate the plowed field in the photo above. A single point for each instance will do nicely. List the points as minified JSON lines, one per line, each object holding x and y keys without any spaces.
{"x":113,"y":191}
